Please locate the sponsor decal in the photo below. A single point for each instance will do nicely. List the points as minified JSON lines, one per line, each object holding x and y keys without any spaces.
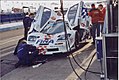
{"x":42,"y":49}
{"x":82,"y":24}
{"x":44,"y":42}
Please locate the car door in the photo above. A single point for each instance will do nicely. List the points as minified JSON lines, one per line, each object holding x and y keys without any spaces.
{"x":43,"y":15}
{"x":72,"y":14}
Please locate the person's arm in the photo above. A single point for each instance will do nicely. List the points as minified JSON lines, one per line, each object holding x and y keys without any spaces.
{"x":90,"y":13}
{"x":100,"y":13}
{"x":100,"y":16}
{"x":24,"y":22}
{"x":104,"y":11}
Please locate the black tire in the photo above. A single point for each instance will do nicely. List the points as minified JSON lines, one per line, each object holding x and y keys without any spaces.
{"x":76,"y":43}
{"x":81,"y":34}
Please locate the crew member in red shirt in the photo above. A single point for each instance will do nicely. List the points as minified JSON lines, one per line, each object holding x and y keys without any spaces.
{"x":103,"y":11}
{"x":95,"y":15}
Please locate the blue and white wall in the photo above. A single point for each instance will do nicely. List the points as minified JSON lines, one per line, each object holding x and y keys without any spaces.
{"x":8,"y":4}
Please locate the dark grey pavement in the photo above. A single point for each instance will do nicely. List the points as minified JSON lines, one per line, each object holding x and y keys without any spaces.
{"x":57,"y":67}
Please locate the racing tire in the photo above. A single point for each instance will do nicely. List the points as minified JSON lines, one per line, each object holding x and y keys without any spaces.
{"x":76,"y":43}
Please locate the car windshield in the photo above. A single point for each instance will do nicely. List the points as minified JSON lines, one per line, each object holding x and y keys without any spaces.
{"x":41,"y":18}
{"x":54,"y":27}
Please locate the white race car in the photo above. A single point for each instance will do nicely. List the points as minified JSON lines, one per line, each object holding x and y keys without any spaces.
{"x":47,"y":31}
{"x":51,"y":39}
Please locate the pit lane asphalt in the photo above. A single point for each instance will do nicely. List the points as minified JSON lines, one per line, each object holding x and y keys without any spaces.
{"x":8,"y":41}
{"x":7,"y":62}
{"x":57,"y":67}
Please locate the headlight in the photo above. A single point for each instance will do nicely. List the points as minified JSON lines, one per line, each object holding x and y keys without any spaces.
{"x":32,"y":38}
{"x":62,"y":37}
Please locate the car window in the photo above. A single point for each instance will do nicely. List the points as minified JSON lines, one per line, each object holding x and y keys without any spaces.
{"x":72,"y":14}
{"x":54,"y":27}
{"x":41,"y":18}
{"x":45,"y":16}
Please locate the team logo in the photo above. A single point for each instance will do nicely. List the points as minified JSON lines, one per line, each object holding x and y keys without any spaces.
{"x":44,"y":42}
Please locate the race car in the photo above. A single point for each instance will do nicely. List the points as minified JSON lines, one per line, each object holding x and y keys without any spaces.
{"x":77,"y":16}
{"x":52,"y":40}
{"x":47,"y":30}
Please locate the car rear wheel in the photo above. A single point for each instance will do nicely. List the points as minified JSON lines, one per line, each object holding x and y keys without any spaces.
{"x":76,"y":44}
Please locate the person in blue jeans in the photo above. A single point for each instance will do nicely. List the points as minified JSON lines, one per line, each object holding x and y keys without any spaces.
{"x":95,"y":15}
{"x":95,"y":26}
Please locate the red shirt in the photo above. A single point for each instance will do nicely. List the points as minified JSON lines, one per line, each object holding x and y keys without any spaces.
{"x":95,"y":15}
{"x":103,"y":13}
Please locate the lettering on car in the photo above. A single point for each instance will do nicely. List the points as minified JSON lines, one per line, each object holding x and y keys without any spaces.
{"x":44,"y":42}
